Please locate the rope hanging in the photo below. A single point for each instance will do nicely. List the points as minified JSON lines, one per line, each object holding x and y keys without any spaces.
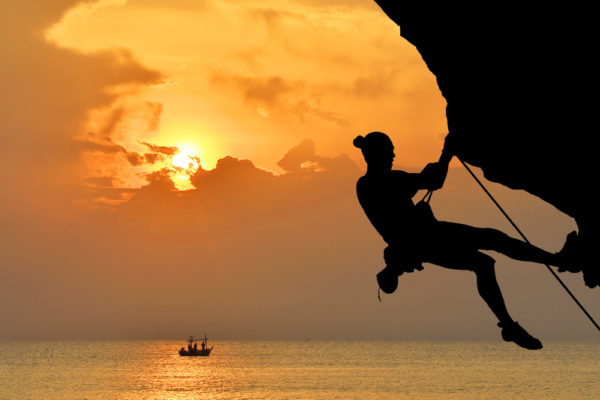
{"x":525,"y":239}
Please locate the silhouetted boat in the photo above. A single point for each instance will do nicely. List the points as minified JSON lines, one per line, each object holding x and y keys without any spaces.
{"x":193,"y":350}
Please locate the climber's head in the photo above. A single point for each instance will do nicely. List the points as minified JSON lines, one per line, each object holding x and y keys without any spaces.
{"x":378,"y":150}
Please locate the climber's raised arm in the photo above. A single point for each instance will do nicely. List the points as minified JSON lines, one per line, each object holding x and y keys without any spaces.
{"x":434,"y":174}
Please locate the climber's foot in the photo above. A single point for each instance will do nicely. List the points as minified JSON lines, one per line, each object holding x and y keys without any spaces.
{"x":513,"y":332}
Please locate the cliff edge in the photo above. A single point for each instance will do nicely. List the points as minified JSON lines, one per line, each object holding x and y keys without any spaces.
{"x":519,"y":88}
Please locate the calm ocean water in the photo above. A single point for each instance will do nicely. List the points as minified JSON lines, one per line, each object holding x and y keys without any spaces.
{"x":298,"y":370}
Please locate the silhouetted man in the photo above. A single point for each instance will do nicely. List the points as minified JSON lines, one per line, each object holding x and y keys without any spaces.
{"x":414,"y":236}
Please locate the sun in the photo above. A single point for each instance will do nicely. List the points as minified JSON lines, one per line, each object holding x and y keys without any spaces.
{"x":184,"y":164}
{"x":186,"y":160}
{"x":187,"y":157}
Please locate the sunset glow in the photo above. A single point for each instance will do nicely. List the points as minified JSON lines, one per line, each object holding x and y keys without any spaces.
{"x":176,"y":167}
{"x":186,"y":167}
{"x":251,"y":83}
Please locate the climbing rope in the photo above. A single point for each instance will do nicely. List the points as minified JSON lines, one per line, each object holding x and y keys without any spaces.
{"x":526,"y":240}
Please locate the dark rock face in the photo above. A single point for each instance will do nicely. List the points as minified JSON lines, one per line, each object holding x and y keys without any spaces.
{"x":519,"y":88}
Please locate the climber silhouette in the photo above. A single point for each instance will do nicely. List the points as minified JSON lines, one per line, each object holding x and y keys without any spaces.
{"x":414,"y":235}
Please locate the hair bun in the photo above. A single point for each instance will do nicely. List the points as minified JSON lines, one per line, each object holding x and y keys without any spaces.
{"x":359,"y":142}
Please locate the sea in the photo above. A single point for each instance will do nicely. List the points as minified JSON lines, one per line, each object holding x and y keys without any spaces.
{"x":306,"y":369}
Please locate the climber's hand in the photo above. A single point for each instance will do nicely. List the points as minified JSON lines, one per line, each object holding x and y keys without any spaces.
{"x":433,"y":175}
{"x":450,"y":146}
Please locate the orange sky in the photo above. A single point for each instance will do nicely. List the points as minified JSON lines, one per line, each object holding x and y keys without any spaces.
{"x":108,"y":107}
{"x":252,"y":78}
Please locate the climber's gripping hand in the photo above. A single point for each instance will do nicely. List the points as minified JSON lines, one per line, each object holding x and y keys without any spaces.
{"x":434,"y":175}
{"x":450,"y":147}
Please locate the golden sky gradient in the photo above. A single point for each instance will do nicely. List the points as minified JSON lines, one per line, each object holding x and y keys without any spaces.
{"x":253,"y":78}
{"x":109,"y":107}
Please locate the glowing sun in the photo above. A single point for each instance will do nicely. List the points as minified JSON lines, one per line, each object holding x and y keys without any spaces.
{"x":185,"y":163}
{"x":186,"y":160}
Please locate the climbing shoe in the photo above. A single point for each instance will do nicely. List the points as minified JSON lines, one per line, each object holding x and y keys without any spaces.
{"x":513,"y":332}
{"x":570,"y":258}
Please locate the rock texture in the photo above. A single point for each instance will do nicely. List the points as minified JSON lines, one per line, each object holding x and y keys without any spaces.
{"x":519,"y":88}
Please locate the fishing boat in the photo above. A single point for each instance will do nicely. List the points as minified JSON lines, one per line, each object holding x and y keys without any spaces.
{"x":193,"y":350}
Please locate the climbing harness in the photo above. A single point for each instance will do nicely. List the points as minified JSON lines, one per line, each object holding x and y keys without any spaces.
{"x":423,"y":209}
{"x":387,"y":279}
{"x":528,"y":242}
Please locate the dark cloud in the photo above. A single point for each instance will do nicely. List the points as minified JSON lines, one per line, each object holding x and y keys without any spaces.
{"x":107,"y":146}
{"x":167,"y":150}
{"x":159,"y":180}
{"x":134,"y":158}
{"x":151,"y":158}
{"x":231,"y":174}
{"x":242,"y":175}
{"x":293,"y":159}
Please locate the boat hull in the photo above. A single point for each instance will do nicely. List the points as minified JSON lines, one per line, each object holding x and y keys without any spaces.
{"x":195,"y":353}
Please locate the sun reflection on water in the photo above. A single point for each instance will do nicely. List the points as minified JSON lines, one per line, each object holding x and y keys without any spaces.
{"x":297,"y":370}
